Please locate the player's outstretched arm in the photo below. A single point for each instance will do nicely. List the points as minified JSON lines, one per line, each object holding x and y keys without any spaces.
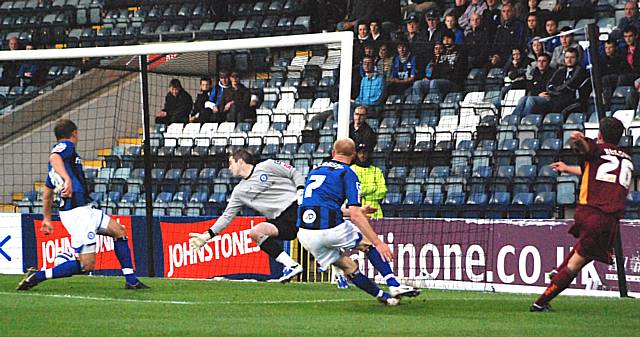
{"x":362,"y":222}
{"x":47,"y":200}
{"x":58,"y":165}
{"x":564,"y":168}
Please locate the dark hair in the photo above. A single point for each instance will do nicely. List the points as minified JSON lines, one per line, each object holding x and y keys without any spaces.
{"x":175,"y":83}
{"x":631,"y":29}
{"x":449,"y":34}
{"x":245,"y":155}
{"x":612,"y":42}
{"x":545,"y":55}
{"x":611,"y":129}
{"x":205,"y":79}
{"x":572,"y":50}
{"x":64,"y":128}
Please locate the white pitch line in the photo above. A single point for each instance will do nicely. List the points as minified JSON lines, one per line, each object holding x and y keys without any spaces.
{"x":112,"y":299}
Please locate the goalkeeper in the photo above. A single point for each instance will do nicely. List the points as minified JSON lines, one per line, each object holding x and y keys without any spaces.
{"x":271,"y":188}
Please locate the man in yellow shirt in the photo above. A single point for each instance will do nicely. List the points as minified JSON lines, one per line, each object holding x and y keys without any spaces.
{"x":373,"y":186}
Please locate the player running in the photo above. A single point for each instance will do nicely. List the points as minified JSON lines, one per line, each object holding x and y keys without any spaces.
{"x":325,"y":233}
{"x":272,"y":189}
{"x":79,"y":218}
{"x":606,"y":175}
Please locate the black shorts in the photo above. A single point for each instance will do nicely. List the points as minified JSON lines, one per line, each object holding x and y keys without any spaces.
{"x":287,"y":223}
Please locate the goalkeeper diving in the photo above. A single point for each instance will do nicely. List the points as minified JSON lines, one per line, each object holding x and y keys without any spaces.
{"x":272,"y":189}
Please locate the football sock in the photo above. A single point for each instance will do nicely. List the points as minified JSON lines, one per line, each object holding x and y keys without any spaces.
{"x":566,"y":260}
{"x":271,"y":247}
{"x":365,"y":284}
{"x":383,"y":267}
{"x":124,"y":256}
{"x":559,"y":283}
{"x":286,"y":260}
{"x":65,"y":269}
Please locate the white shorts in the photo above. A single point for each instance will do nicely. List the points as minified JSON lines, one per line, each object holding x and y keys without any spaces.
{"x":83,"y":224}
{"x":326,"y":244}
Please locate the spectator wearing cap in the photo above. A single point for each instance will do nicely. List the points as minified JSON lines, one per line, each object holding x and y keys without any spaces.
{"x":476,"y":42}
{"x":413,"y":35}
{"x":477,"y":7}
{"x":551,"y":35}
{"x":451,"y":24}
{"x":403,"y":70}
{"x":566,"y":42}
{"x":361,"y":11}
{"x":433,"y":33}
{"x":359,"y":131}
{"x":510,"y":33}
{"x":491,"y":17}
{"x":373,"y":186}
{"x":575,"y":9}
{"x":631,"y":56}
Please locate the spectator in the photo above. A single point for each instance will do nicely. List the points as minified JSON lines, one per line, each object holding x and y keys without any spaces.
{"x":384,"y":61}
{"x":445,"y":70}
{"x":495,"y":61}
{"x":451,"y":24}
{"x":536,"y":48}
{"x":28,"y":72}
{"x":215,"y":98}
{"x":539,"y":80}
{"x":510,"y":33}
{"x":575,"y":9}
{"x":177,"y":105}
{"x":371,"y":86}
{"x":631,"y":56}
{"x":362,"y":38}
{"x":476,"y":42}
{"x":373,"y":187}
{"x":361,"y":11}
{"x":200,"y":114}
{"x":459,"y":8}
{"x":403,"y":70}
{"x":491,"y":17}
{"x":551,"y":32}
{"x":434,"y":32}
{"x":432,"y":72}
{"x":612,"y":66}
{"x":10,"y":68}
{"x":377,"y":35}
{"x":413,"y":35}
{"x":566,"y":42}
{"x":516,"y":70}
{"x":475,"y":7}
{"x":532,"y":29}
{"x":359,"y":131}
{"x":419,"y":6}
{"x":563,"y":86}
{"x":541,"y":14}
{"x":630,"y":17}
{"x":236,"y":101}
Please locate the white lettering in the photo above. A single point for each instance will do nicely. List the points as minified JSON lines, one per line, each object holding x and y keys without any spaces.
{"x":410,"y":250}
{"x":435,"y":257}
{"x":457,"y":251}
{"x":522,"y":264}
{"x":470,"y":262}
{"x":502,"y":254}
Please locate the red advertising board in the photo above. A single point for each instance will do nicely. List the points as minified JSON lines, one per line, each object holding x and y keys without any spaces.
{"x":230,"y":253}
{"x":48,"y":246}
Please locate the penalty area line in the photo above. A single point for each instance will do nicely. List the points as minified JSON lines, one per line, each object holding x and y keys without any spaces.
{"x":113,"y":299}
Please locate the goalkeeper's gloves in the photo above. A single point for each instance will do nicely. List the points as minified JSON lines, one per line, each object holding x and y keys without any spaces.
{"x":198,"y":240}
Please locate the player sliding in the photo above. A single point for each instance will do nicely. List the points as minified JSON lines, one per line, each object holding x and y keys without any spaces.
{"x":78,"y":217}
{"x":272,"y":189}
{"x":325,"y":233}
{"x":606,"y":175}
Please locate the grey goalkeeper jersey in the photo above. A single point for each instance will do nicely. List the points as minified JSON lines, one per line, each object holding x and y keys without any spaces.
{"x":270,"y":189}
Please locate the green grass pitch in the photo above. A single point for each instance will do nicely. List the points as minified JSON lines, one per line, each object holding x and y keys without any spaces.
{"x":99,"y":306}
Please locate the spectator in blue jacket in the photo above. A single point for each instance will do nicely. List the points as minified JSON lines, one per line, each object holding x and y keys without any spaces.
{"x":403,"y":70}
{"x":215,"y":98}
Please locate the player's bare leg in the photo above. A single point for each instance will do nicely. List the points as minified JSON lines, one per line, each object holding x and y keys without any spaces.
{"x":264,"y":235}
{"x":123,"y":253}
{"x":561,"y":280}
{"x":384,"y":268}
{"x":350,"y":269}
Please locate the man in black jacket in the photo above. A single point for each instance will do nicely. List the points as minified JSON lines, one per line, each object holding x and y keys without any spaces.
{"x":540,"y":77}
{"x":563,"y":86}
{"x":177,"y":105}
{"x":359,"y":131}
{"x":200,"y":114}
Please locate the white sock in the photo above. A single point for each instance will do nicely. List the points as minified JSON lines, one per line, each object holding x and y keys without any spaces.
{"x":286,"y":260}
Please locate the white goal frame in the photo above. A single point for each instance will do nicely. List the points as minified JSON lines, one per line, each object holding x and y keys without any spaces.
{"x":344,"y":38}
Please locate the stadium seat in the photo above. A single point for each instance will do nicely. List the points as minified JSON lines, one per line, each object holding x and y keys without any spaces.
{"x":498,"y":205}
{"x":475,"y":206}
{"x":566,"y":186}
{"x":543,"y":205}
{"x":519,"y":207}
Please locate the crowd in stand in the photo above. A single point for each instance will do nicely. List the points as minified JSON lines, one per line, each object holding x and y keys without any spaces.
{"x":227,"y":101}
{"x":434,"y":49}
